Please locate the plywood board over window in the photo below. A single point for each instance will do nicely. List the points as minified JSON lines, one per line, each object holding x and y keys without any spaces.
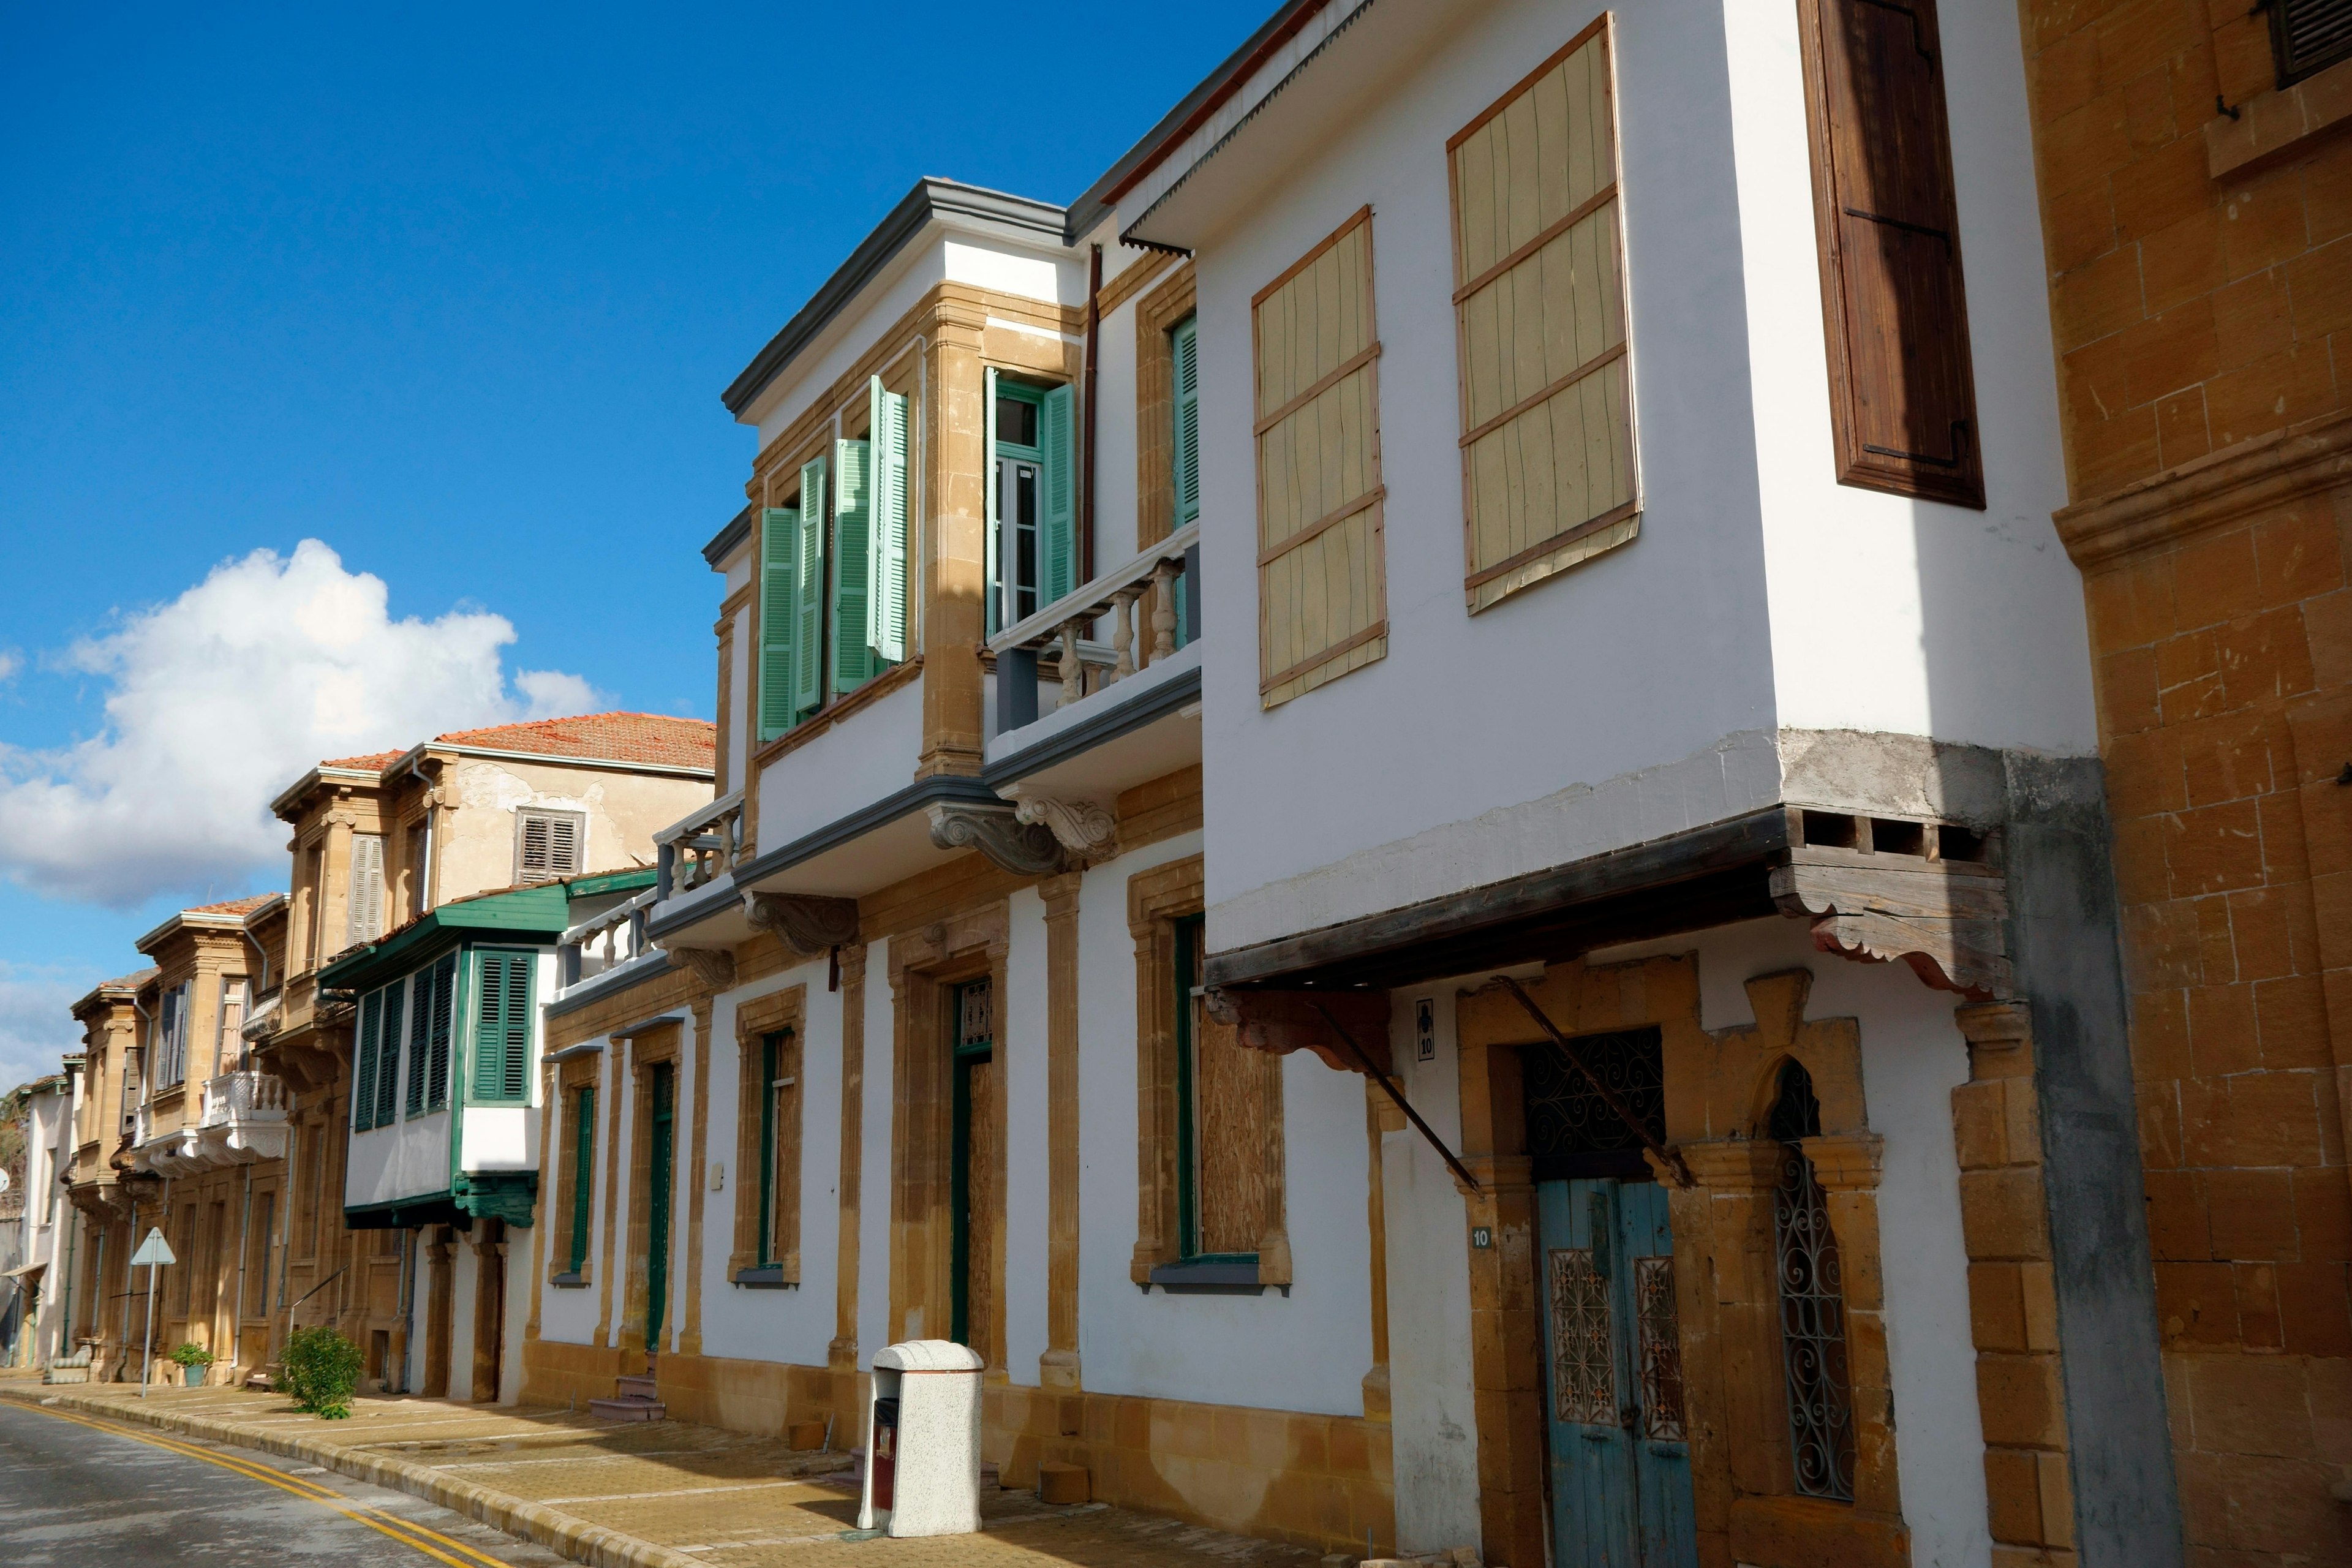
{"x":1322,"y":588}
{"x":1902,"y":387}
{"x":1549,"y":477}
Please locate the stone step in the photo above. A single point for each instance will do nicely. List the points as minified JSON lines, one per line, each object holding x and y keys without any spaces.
{"x":628,"y":1409}
{"x":637,"y":1388}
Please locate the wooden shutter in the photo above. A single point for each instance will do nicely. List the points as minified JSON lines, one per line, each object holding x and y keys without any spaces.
{"x":1549,"y":476}
{"x":387,"y":1080}
{"x":367,"y":889}
{"x":808,"y":621}
{"x":420,"y":1038}
{"x":885,"y":597}
{"x":445,"y":1004}
{"x":1057,"y":513}
{"x":2308,"y":35}
{"x":502,"y":1025}
{"x":564,"y":834}
{"x":1902,"y":390}
{"x":853,"y":548}
{"x":1185,"y":377}
{"x":779,"y":530}
{"x":363,"y":1063}
{"x":1322,"y":589}
{"x":583,"y":1166}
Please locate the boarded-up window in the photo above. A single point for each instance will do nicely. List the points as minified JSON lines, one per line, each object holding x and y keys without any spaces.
{"x":1901,"y":393}
{"x":1321,"y":587}
{"x":1548,"y":470}
{"x":1228,"y":1126}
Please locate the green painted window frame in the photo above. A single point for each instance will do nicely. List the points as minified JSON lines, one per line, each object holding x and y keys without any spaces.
{"x":517,"y":1009}
{"x":1184,"y":407}
{"x":1055,"y":453}
{"x":583,"y":1170}
{"x":387,"y":1072}
{"x":443,"y":1029}
{"x":1191,"y":930}
{"x":365,"y":1044}
{"x":772,"y":1057}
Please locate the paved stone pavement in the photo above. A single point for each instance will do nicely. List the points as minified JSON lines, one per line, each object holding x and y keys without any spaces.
{"x":655,"y":1495}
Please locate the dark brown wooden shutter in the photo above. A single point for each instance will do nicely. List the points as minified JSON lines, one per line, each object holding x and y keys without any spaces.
{"x":1901,"y":391}
{"x":2308,"y":35}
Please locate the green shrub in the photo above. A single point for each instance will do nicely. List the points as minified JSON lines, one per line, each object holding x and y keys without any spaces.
{"x":323,"y":1368}
{"x":193,"y":1355}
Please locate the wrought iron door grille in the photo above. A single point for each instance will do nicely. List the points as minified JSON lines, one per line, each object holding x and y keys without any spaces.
{"x":1584,"y":1343}
{"x":1571,"y":1130}
{"x":1812,"y":1332}
{"x":2307,"y":36}
{"x":1662,"y":1348}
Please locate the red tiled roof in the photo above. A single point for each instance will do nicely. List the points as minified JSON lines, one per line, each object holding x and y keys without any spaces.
{"x":232,"y":907}
{"x":131,"y":982}
{"x":613,"y":737}
{"x":374,"y":763}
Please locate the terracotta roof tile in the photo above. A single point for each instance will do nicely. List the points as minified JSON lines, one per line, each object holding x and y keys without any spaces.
{"x":656,"y":738}
{"x":374,"y":761}
{"x":233,"y":906}
{"x":131,"y":982}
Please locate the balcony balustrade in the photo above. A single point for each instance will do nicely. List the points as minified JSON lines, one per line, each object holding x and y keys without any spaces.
{"x":699,"y":849}
{"x":606,"y":941}
{"x":1089,"y":666}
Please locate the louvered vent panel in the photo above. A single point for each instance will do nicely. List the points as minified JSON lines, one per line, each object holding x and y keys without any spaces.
{"x":2310,"y":34}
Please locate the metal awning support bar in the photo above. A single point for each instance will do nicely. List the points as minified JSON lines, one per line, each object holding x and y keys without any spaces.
{"x":1669,"y":1157}
{"x":1411,"y":1115}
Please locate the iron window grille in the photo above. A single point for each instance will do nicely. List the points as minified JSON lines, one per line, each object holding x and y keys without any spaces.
{"x":1812,"y":1303}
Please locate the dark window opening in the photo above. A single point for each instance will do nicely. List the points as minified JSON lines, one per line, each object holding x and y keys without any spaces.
{"x":1573,"y":1132}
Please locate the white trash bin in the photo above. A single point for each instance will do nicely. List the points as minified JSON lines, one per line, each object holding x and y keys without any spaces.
{"x":922,"y":1441}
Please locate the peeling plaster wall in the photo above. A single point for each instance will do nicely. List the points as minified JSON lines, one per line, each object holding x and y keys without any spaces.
{"x":474,"y":844}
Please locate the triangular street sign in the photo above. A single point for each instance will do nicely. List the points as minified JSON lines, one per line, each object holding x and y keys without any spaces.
{"x":154,"y":1249}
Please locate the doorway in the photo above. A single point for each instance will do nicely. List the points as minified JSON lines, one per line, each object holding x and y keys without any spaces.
{"x":972,"y":1198}
{"x":662,"y":1116}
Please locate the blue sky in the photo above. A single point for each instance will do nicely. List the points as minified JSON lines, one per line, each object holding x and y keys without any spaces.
{"x":452,"y":294}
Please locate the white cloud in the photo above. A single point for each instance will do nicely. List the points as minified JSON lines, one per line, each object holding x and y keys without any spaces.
{"x":36,"y":1029}
{"x":11,"y":661}
{"x":221,"y":698}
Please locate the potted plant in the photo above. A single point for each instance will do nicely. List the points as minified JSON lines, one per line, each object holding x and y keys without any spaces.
{"x":194,"y":1359}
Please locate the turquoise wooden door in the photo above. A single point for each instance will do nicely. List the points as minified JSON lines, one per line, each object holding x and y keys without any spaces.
{"x":1621,"y":1480}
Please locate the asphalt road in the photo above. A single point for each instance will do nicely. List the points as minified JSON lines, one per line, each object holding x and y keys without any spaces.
{"x":74,"y":1492}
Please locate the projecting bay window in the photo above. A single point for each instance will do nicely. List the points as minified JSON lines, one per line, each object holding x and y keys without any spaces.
{"x":833,"y":571}
{"x":1032,"y":516}
{"x":1549,"y":477}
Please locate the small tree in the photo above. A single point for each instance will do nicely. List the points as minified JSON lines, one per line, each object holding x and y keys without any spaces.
{"x":323,"y":1369}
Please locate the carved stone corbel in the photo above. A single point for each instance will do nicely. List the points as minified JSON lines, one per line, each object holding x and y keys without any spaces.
{"x":1024,"y":848}
{"x":1947,"y":920}
{"x":802,"y":922}
{"x":713,"y":968}
{"x":1081,"y":827}
{"x":1281,"y":1022}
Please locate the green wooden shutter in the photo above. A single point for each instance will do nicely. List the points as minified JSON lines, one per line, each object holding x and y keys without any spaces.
{"x":583,"y":1167}
{"x":1058,"y":521}
{"x":521,"y":970}
{"x":808,"y":622}
{"x":387,"y":1082}
{"x":445,"y":1005}
{"x":420,"y":1039}
{"x":779,"y":555}
{"x":502,"y":1025}
{"x":363,"y":1069}
{"x":1186,"y":452}
{"x":767,"y":1247}
{"x":995,"y":589}
{"x":886,"y":597}
{"x":853,"y":531}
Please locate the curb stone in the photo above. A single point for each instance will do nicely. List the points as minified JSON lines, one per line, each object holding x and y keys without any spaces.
{"x":596,"y":1544}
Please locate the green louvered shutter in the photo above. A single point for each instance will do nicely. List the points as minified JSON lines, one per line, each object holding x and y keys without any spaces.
{"x":853,"y":529}
{"x":583,"y":1169}
{"x":808,"y":621}
{"x":502,"y":1025}
{"x":363,"y":1069}
{"x":445,"y":1007}
{"x":1186,"y":454}
{"x":885,"y":598}
{"x":995,"y":589}
{"x":387,"y":1081}
{"x":780,"y":544}
{"x":1057,"y":525}
{"x":420,"y":1039}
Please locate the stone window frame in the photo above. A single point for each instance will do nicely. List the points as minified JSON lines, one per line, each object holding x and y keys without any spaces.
{"x":1157,"y":899}
{"x":650,"y":1048}
{"x":780,"y":1012}
{"x":926,"y":966}
{"x":571,"y":1075}
{"x":1156,"y":316}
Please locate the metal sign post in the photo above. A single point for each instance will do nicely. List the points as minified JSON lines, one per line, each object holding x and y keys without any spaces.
{"x":154,"y":1252}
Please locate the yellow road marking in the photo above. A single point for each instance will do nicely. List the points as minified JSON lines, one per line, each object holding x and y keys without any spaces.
{"x":405,"y":1532}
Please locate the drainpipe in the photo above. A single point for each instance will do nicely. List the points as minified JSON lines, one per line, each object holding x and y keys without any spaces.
{"x":424,"y":872}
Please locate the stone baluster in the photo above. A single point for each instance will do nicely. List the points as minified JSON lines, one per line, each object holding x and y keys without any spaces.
{"x":1073,"y":674}
{"x":1122,"y":634}
{"x":1163,"y":610}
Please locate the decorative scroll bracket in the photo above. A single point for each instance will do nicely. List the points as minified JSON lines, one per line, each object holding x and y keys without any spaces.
{"x":1281,"y":1022}
{"x":1947,"y":920}
{"x":1024,"y":848}
{"x":805,"y":923}
{"x":1081,"y":827}
{"x":713,"y":968}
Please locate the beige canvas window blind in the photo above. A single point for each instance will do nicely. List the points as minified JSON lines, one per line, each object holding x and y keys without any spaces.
{"x":1548,"y":477}
{"x":1322,"y":589}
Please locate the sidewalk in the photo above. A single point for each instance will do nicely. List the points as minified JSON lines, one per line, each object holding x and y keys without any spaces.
{"x":658,"y":1494}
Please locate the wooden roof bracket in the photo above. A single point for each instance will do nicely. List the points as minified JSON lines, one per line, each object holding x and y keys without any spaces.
{"x":1668,"y":1157}
{"x":1946,"y":916}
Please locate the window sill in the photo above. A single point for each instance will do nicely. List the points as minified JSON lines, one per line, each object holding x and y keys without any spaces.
{"x":568,"y":1281}
{"x":2273,"y":125}
{"x":840,"y":708}
{"x":764,"y":1279}
{"x":1222,"y":1276}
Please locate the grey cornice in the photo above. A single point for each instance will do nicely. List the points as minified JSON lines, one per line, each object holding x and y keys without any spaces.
{"x":932,"y":197}
{"x":589,"y":991}
{"x":917,"y":796}
{"x":1096,"y":729}
{"x":723,"y":543}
